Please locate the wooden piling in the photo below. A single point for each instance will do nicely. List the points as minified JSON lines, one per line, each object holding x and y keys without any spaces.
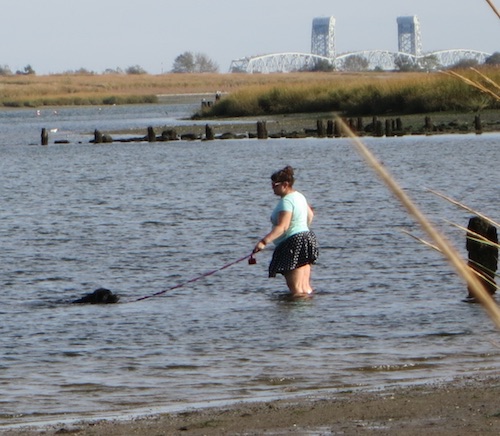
{"x":330,"y":128}
{"x":169,"y":135}
{"x":97,"y":137}
{"x":428,"y":123}
{"x":352,"y":125}
{"x":337,"y":130}
{"x":206,"y":104}
{"x":399,"y":125}
{"x":388,"y":127}
{"x":151,"y":134}
{"x":320,"y":125}
{"x":262,"y":130}
{"x":478,"y":125}
{"x":45,"y":136}
{"x":209,"y":133}
{"x":379,"y":129}
{"x":483,"y":257}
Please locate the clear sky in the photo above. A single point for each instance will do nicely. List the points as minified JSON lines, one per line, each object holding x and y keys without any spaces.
{"x":54,"y":36}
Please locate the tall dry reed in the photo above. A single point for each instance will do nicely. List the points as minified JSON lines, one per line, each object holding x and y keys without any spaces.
{"x":438,"y":239}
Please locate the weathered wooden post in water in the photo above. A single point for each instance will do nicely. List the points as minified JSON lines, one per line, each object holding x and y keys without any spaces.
{"x":330,"y":128}
{"x":483,"y":257}
{"x":45,"y":137}
{"x":337,"y":130}
{"x":261,"y":130}
{"x":169,"y":135}
{"x":399,"y":125}
{"x":428,"y":124}
{"x":97,"y":137}
{"x":478,"y":125}
{"x":209,"y":133}
{"x":320,"y":125}
{"x":388,"y":128}
{"x":151,"y":135}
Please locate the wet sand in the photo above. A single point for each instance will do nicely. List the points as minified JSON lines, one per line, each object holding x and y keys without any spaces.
{"x":462,"y":407}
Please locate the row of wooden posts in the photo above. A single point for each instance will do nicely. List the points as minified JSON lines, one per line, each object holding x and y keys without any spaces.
{"x":324,"y":128}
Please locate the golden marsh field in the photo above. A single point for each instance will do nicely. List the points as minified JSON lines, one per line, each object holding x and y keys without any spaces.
{"x":306,"y":96}
{"x":293,"y":92}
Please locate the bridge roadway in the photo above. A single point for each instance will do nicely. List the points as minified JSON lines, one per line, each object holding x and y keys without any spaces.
{"x":381,"y":59}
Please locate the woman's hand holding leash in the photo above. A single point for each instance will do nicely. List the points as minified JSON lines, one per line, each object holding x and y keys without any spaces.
{"x":260,"y":246}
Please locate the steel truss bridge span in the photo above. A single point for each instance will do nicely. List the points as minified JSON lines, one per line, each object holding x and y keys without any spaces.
{"x":278,"y":63}
{"x":376,"y":59}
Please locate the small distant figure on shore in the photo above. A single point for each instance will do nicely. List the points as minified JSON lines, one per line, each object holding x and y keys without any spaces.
{"x":483,"y":256}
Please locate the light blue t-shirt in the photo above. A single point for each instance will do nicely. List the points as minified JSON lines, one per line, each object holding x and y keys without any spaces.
{"x":297,"y":204}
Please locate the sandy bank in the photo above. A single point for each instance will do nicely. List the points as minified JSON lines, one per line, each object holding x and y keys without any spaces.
{"x":464,"y":407}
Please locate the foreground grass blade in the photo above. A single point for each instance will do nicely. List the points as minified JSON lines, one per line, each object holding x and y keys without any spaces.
{"x":444,"y":246}
{"x":473,"y":83}
{"x":423,"y":241}
{"x":493,"y":7}
{"x":478,"y":274}
{"x":463,"y":206}
{"x":478,"y":237}
{"x":486,"y":78}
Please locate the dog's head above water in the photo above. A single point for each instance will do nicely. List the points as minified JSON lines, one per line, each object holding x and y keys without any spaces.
{"x":99,"y":296}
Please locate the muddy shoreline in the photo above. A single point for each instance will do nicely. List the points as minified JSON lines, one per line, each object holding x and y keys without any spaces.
{"x":312,"y":125}
{"x":460,"y":407}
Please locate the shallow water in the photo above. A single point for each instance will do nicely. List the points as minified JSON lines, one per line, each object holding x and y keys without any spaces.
{"x":144,"y":218}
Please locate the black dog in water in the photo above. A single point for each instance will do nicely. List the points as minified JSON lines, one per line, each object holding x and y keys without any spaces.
{"x":99,"y":296}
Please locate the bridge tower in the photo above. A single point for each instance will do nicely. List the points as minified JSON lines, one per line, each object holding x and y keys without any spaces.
{"x":323,"y":37}
{"x":409,"y":40}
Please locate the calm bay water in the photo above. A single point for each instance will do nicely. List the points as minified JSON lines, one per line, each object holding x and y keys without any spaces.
{"x":141,"y":218}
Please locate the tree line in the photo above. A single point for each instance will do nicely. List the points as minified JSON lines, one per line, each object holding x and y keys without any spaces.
{"x":405,"y":64}
{"x":187,"y":62}
{"x":196,"y":62}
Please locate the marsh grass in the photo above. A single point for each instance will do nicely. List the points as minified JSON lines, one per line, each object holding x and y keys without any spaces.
{"x":359,"y":95}
{"x":19,"y":91}
{"x":31,"y":91}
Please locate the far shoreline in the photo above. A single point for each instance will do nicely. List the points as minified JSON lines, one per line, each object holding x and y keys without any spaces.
{"x":307,"y":125}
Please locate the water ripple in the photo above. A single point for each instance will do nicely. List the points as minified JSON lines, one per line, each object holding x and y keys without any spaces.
{"x":140,"y":220}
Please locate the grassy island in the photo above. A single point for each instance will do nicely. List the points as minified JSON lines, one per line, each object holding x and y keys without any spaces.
{"x":352,"y":94}
{"x":297,"y":99}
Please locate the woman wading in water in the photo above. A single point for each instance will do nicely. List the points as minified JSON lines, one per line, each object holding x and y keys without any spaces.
{"x":296,"y":246}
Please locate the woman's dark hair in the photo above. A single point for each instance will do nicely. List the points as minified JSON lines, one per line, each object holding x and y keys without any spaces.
{"x":284,"y":175}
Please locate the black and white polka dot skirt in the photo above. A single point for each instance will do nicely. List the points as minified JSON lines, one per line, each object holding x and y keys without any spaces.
{"x":296,"y":251}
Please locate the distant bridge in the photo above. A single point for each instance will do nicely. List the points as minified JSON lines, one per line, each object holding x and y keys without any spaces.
{"x":277,"y":63}
{"x":372,"y":59}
